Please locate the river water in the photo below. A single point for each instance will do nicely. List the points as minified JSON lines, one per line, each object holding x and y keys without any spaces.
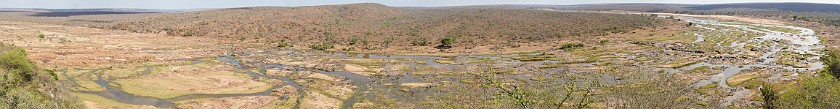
{"x":803,"y":42}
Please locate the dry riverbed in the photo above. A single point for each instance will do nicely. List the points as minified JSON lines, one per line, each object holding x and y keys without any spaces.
{"x":710,"y":64}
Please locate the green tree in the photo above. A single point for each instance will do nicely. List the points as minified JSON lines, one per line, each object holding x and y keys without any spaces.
{"x":832,"y":64}
{"x":447,"y":42}
{"x":769,"y":96}
{"x":354,"y":41}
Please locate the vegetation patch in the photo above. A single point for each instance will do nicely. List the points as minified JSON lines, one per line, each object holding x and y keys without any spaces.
{"x":25,"y":86}
{"x":676,"y":64}
{"x":741,"y":78}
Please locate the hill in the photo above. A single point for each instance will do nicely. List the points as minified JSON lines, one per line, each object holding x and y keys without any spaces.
{"x":794,"y":7}
{"x":24,"y":86}
{"x":659,"y":7}
{"x":375,"y":26}
{"x":76,"y":17}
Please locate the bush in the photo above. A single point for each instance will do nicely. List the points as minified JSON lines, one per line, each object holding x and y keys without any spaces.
{"x":188,"y":33}
{"x":321,"y":46}
{"x":418,"y":41}
{"x":832,"y":64}
{"x":42,"y":36}
{"x":52,"y":73}
{"x":24,"y":87}
{"x":819,"y":91}
{"x":570,"y":46}
{"x":18,"y":67}
{"x":354,"y":41}
{"x":283,"y":45}
{"x":447,"y":42}
{"x":769,"y":96}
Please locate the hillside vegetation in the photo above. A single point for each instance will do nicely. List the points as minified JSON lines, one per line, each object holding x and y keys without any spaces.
{"x":375,"y":26}
{"x":24,"y":86}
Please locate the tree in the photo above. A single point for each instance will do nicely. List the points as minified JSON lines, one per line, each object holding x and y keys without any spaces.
{"x":769,"y":96}
{"x":832,"y":63}
{"x":354,"y":40}
{"x":447,"y":42}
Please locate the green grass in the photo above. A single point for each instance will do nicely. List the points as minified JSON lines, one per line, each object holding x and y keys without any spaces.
{"x":698,"y":69}
{"x":781,"y":29}
{"x":445,"y":61}
{"x":740,"y":79}
{"x":683,"y":63}
{"x":99,"y":100}
{"x":569,"y":46}
{"x":540,"y":57}
{"x":709,"y":89}
{"x":366,"y":62}
{"x":321,"y":46}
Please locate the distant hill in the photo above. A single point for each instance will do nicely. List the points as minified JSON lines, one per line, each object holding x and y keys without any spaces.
{"x":659,"y":7}
{"x":795,"y":7}
{"x":645,"y":7}
{"x":380,"y":25}
{"x":37,"y":12}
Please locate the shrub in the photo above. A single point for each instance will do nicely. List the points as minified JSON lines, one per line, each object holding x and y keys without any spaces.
{"x":570,"y":46}
{"x":832,"y":64}
{"x":769,"y":96}
{"x":188,"y":33}
{"x":283,"y":45}
{"x":17,"y":65}
{"x":41,"y":36}
{"x":447,"y":42}
{"x":603,"y":41}
{"x":321,"y":46}
{"x":354,"y":41}
{"x":349,"y":49}
{"x":24,"y":87}
{"x":818,"y":91}
{"x":52,"y":73}
{"x":419,"y":41}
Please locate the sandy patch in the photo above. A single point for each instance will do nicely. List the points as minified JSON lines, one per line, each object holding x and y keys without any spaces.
{"x":416,"y":85}
{"x":315,"y":100}
{"x":357,"y":69}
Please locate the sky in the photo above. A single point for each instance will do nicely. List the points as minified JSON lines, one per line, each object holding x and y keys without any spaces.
{"x":199,"y":4}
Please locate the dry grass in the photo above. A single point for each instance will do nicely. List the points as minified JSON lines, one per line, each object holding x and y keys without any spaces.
{"x":375,"y":27}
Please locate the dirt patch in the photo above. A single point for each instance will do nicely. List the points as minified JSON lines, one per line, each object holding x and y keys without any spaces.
{"x":316,"y":100}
